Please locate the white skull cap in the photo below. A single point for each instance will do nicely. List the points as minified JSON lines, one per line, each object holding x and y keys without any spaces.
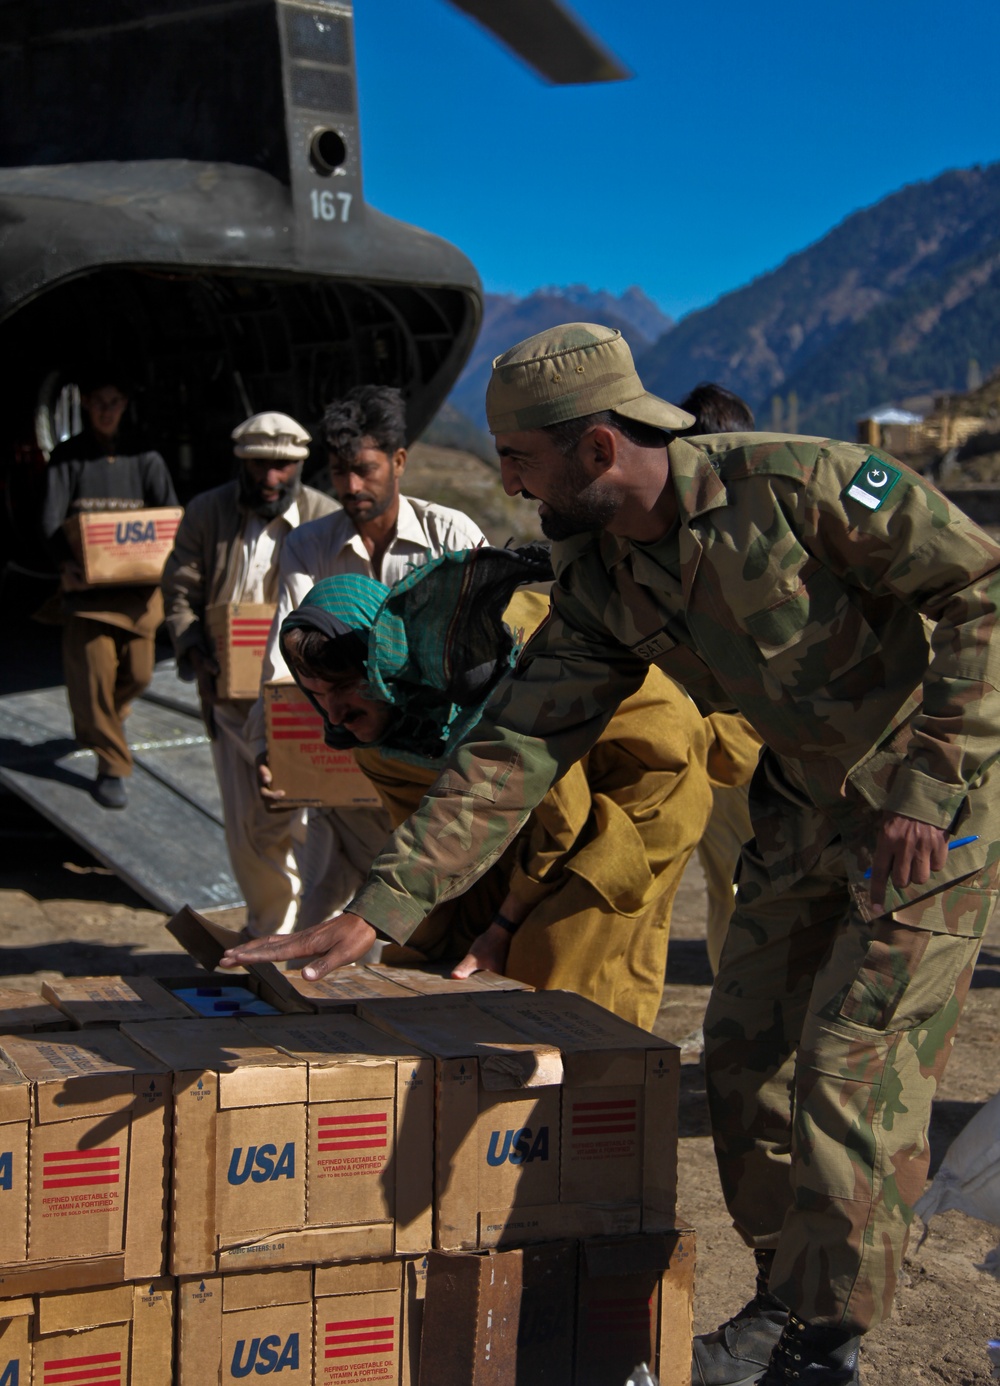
{"x":271,"y":437}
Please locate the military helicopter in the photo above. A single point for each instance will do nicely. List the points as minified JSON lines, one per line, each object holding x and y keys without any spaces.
{"x":181,"y":194}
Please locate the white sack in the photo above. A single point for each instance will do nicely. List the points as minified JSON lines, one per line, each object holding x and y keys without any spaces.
{"x":969,"y":1177}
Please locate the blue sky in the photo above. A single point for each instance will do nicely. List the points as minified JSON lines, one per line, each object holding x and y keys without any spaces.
{"x":750,"y":128}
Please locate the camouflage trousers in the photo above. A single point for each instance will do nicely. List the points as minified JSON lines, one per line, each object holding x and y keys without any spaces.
{"x":826,"y":1035}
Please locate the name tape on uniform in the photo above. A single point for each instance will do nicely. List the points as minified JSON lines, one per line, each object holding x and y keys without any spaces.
{"x":872,"y":483}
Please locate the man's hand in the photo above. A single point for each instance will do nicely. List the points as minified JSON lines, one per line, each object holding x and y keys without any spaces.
{"x":907,"y":851}
{"x":487,"y":953}
{"x":333,"y":944}
{"x":272,"y":797}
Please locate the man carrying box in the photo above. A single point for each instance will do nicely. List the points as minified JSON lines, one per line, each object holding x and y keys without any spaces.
{"x":108,"y":638}
{"x":847,"y":610}
{"x":226,"y":552}
{"x":380,"y":534}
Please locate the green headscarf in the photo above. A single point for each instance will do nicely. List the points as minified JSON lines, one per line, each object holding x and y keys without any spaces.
{"x":434,"y":646}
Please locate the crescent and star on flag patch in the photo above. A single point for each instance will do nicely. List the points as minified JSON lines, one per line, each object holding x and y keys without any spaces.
{"x":872,"y":483}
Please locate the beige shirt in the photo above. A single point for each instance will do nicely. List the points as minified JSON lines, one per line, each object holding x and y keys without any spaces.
{"x":253,"y":560}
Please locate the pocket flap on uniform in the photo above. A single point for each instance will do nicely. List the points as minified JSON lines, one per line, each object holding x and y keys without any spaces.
{"x":491,"y":778}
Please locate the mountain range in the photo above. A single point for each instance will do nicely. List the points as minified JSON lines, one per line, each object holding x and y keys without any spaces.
{"x":508,"y":319}
{"x":900,"y":299}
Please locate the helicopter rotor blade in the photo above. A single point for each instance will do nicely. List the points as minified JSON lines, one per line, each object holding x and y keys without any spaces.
{"x":548,"y":37}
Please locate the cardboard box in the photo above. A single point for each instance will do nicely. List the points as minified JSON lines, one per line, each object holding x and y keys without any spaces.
{"x":560,"y":1314}
{"x":26,"y":1013}
{"x":332,"y":1326}
{"x":414,"y":1293}
{"x":118,"y":1335}
{"x":206,"y":942}
{"x":123,"y":547}
{"x":501,"y":1318}
{"x":635,"y":1303}
{"x":89,"y":1001}
{"x":342,"y":989}
{"x":546,"y":1327}
{"x":319,"y":1150}
{"x":555,"y":1118}
{"x":310,"y":772}
{"x":371,"y":1127}
{"x":237,"y":1326}
{"x":472,"y":1311}
{"x":620,"y":1100}
{"x":83,"y":1156}
{"x":359,"y":1324}
{"x":437,"y":981}
{"x":15,"y":1341}
{"x":339,"y":992}
{"x":239,"y":632}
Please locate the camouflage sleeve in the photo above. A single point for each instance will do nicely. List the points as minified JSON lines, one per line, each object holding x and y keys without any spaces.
{"x":919,"y":548}
{"x":569,"y":680}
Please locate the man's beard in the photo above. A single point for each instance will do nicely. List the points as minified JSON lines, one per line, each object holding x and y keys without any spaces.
{"x":377,"y":508}
{"x":251,"y":498}
{"x":590,"y":510}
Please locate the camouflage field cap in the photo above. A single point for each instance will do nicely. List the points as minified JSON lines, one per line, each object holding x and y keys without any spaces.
{"x":272,"y":437}
{"x":566,"y":372}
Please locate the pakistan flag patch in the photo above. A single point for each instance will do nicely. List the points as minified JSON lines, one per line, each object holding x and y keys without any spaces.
{"x":873,"y":483}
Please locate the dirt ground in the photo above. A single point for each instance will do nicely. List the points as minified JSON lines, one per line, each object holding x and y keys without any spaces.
{"x":61,"y":915}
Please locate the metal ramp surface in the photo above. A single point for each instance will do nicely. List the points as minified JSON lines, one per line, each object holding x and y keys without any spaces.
{"x":168,"y":845}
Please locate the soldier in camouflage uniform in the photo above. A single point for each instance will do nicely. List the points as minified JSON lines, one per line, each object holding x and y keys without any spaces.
{"x":846,"y":609}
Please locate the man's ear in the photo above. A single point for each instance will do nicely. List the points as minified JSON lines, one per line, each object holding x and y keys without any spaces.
{"x":598,"y":449}
{"x":399,"y":462}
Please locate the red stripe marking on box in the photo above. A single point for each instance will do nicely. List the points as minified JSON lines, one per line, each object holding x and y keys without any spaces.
{"x":109,"y":1162}
{"x":372,"y":1336}
{"x":80,"y":1183}
{"x":100,"y":1376}
{"x":359,"y":1351}
{"x":602,"y":1106}
{"x":354,"y":1119}
{"x":103,"y":1367}
{"x":338,"y":1133}
{"x":339,"y":1324}
{"x":61,"y":1155}
{"x":354,"y":1145}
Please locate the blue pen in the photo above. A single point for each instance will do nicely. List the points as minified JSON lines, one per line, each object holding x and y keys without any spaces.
{"x":959,"y":842}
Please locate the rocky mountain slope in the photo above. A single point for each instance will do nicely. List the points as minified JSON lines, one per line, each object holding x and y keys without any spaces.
{"x":896,"y":300}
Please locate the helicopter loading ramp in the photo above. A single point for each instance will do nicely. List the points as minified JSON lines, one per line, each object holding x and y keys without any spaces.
{"x":169,"y":844}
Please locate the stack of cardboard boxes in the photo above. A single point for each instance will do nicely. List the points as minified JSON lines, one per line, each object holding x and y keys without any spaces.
{"x":379,"y":1179}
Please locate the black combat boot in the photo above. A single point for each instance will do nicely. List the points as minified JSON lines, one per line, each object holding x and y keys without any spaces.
{"x":109,"y":791}
{"x":737,"y":1353}
{"x":809,"y":1354}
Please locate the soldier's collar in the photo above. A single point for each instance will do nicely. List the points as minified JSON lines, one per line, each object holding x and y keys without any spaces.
{"x":694,"y":478}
